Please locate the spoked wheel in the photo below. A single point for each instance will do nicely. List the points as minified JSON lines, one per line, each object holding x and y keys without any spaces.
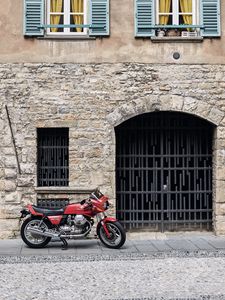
{"x":117,"y":235}
{"x":31,"y":239}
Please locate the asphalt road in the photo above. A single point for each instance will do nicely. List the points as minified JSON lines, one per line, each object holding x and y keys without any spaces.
{"x":117,"y":278}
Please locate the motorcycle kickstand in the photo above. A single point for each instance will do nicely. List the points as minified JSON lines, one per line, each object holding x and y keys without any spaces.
{"x":65,"y":244}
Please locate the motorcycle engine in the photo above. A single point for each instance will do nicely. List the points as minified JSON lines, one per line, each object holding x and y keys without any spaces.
{"x":76,"y":224}
{"x":79,"y":220}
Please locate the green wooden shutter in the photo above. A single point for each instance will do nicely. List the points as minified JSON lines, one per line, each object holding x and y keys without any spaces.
{"x":99,"y":17}
{"x":144,"y":18}
{"x":210,"y":17}
{"x":33,"y":17}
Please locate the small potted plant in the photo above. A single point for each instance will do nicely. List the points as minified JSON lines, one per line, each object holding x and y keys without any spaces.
{"x":161,"y":32}
{"x":189,"y":32}
{"x":173,"y":32}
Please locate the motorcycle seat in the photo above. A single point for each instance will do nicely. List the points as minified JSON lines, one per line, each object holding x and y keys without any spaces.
{"x":48,"y":212}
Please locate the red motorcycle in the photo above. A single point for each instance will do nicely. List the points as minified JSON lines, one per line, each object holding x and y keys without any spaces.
{"x":74,"y":221}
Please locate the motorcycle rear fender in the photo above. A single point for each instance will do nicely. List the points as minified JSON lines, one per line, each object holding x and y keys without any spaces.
{"x":24,"y":212}
{"x":32,"y":211}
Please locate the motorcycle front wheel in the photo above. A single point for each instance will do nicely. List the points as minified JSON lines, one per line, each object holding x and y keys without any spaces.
{"x":31,"y":239}
{"x":117,"y":235}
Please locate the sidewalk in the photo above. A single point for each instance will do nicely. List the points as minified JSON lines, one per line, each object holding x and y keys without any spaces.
{"x":135,"y":244}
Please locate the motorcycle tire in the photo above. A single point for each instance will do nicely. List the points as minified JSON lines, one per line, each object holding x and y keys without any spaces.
{"x":117,"y":235}
{"x":33,"y":240}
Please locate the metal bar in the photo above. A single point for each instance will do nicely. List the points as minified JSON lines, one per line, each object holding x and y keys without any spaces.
{"x":13,"y":139}
{"x":71,"y":26}
{"x":171,"y":26}
{"x":172,"y":210}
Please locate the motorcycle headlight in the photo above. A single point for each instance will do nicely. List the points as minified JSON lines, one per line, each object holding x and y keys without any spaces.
{"x":106,"y":205}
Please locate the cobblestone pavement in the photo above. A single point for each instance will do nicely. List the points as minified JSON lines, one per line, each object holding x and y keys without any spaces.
{"x":160,"y":278}
{"x":177,"y":267}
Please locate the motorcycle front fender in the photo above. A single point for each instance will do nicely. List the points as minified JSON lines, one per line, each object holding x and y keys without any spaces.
{"x":103,"y":224}
{"x":109,"y":219}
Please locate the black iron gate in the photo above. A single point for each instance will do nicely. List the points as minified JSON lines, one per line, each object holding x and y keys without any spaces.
{"x":164,"y":172}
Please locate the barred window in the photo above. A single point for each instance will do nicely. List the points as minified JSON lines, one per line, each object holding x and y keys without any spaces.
{"x":53,"y":156}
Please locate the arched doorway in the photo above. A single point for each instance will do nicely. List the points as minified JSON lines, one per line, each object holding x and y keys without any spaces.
{"x":164,"y":172}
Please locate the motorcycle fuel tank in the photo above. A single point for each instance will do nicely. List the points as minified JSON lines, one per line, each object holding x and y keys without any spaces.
{"x":78,"y":209}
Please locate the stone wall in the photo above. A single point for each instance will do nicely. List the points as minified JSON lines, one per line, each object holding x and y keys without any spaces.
{"x":91,"y":99}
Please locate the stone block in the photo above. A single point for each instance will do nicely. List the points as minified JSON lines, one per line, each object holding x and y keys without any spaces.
{"x":2,"y":185}
{"x":219,"y":172}
{"x":2,"y":125}
{"x":165,"y":102}
{"x":203,"y":109}
{"x":10,"y":173}
{"x":219,"y":186}
{"x":220,"y":132}
{"x":216,"y":115}
{"x":190,"y":104}
{"x":9,"y":228}
{"x":10,"y":186}
{"x":12,"y":211}
{"x":151,"y":101}
{"x":115,"y":118}
{"x":2,"y":173}
{"x":177,"y":102}
{"x":220,"y":209}
{"x":10,"y":161}
{"x":219,"y":225}
{"x":7,"y":139}
{"x":27,"y":168}
{"x":219,"y":158}
{"x":2,"y":197}
{"x":25,"y":181}
{"x":219,"y":144}
{"x":9,"y":151}
{"x":13,"y":197}
{"x":94,"y":152}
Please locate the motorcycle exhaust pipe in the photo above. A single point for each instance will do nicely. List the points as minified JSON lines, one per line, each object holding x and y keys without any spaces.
{"x":42,"y":233}
{"x":57,"y":235}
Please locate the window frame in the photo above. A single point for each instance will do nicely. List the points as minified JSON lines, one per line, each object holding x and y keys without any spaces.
{"x":66,"y":20}
{"x":175,"y":12}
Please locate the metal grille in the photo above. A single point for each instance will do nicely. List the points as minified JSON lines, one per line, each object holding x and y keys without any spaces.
{"x":164,"y":172}
{"x":52,"y":203}
{"x":53,"y":156}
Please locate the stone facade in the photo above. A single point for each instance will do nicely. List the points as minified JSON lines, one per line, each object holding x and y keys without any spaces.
{"x":91,"y":100}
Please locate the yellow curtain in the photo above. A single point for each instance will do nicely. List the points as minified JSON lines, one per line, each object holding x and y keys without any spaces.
{"x":186,"y":7}
{"x":77,"y":7}
{"x":164,"y":7}
{"x":56,"y":6}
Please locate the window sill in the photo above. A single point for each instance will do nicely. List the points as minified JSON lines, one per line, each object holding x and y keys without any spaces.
{"x":64,"y":37}
{"x":178,"y":39}
{"x":62,"y":190}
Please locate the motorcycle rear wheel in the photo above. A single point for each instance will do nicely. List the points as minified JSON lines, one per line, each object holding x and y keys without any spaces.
{"x":117,"y":235}
{"x":33,"y":240}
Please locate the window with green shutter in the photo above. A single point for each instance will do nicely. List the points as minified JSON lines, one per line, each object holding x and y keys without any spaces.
{"x":181,"y":18}
{"x":33,"y":17}
{"x":66,"y":18}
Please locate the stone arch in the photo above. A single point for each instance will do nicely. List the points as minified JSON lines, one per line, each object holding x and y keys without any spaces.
{"x":177,"y":103}
{"x":195,"y":107}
